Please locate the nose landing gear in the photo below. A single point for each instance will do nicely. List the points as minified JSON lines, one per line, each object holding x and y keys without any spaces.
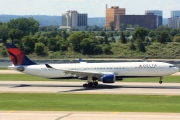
{"x":160,"y":81}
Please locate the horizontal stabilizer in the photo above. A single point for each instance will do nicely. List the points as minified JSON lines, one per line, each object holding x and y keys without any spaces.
{"x":48,"y":66}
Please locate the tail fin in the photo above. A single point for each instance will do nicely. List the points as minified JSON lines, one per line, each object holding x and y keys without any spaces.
{"x":81,"y":60}
{"x":17,"y":56}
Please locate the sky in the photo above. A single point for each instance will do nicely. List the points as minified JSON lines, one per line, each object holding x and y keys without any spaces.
{"x":94,"y":8}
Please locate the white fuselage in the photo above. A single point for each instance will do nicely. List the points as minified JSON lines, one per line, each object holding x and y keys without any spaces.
{"x":123,"y":69}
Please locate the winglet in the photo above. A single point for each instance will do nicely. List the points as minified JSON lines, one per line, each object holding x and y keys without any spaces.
{"x":17,"y":56}
{"x":81,"y":60}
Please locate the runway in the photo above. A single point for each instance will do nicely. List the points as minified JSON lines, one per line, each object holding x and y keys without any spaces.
{"x":59,"y":87}
{"x":55,"y":115}
{"x":76,"y":88}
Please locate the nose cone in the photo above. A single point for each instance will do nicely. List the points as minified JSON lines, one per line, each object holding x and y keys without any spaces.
{"x":175,"y":70}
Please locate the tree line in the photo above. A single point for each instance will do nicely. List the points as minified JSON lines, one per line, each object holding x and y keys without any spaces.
{"x":31,"y":38}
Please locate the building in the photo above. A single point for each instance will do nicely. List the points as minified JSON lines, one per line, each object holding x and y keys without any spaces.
{"x":69,"y":19}
{"x":175,"y":13}
{"x":124,"y":22}
{"x":112,"y":12}
{"x":82,"y":20}
{"x":174,"y":22}
{"x":72,"y":19}
{"x":159,"y":15}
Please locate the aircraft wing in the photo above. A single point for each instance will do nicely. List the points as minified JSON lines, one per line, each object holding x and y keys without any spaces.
{"x":86,"y":73}
{"x":83,"y":73}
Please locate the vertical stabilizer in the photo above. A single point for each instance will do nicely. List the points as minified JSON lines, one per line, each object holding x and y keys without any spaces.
{"x":17,"y":56}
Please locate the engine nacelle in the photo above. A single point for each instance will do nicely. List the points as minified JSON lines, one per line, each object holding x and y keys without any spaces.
{"x":108,"y":78}
{"x":86,"y":77}
{"x":119,"y":78}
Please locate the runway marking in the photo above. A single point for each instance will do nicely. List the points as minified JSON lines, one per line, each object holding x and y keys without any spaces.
{"x":64,"y":116}
{"x":10,"y":111}
{"x":115,"y":113}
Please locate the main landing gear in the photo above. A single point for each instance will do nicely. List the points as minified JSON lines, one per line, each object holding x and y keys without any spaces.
{"x":90,"y":84}
{"x":160,"y":81}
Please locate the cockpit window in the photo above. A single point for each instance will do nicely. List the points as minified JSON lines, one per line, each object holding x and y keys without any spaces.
{"x":171,"y":66}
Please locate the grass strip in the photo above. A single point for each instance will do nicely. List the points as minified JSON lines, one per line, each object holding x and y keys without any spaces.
{"x":21,"y":77}
{"x":166,"y":79}
{"x":26,"y":77}
{"x":3,"y":68}
{"x":89,"y":102}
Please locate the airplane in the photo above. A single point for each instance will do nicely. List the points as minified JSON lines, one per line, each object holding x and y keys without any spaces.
{"x":92,"y":72}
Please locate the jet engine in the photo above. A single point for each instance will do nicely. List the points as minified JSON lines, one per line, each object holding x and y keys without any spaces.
{"x":108,"y":78}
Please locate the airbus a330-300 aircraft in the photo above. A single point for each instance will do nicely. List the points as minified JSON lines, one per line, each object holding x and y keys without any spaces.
{"x":92,"y":72}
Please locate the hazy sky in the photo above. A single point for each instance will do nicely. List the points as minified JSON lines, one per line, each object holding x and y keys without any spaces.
{"x":94,"y":8}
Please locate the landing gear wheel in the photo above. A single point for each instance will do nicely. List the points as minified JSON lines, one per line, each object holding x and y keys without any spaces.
{"x":160,"y":82}
{"x":90,"y":84}
{"x":85,"y":85}
{"x":95,"y":83}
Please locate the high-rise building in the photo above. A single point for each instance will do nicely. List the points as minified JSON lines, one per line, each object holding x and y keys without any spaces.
{"x":175,"y":13}
{"x":72,"y":19}
{"x":82,"y":19}
{"x":174,"y":22}
{"x":159,"y":15}
{"x":124,"y":22}
{"x":66,"y":20}
{"x":112,"y":12}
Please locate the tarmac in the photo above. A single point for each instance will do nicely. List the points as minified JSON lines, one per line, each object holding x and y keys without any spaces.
{"x":76,"y":88}
{"x":10,"y":72}
{"x":60,"y":115}
{"x":60,"y":87}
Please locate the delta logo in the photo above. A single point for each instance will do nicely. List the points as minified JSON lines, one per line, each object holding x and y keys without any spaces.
{"x":147,"y":66}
